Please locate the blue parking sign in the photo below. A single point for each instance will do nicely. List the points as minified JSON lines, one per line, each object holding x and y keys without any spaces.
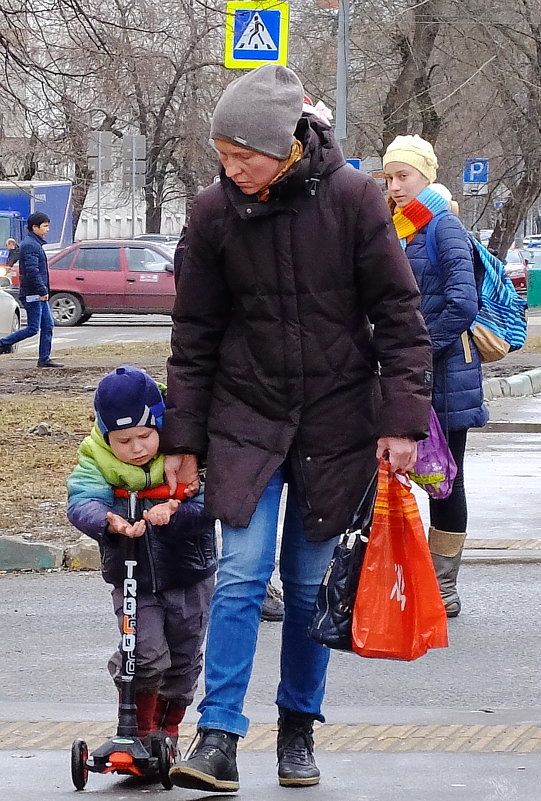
{"x":476,"y":171}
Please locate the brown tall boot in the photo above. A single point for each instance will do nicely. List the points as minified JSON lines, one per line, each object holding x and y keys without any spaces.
{"x":446,"y":550}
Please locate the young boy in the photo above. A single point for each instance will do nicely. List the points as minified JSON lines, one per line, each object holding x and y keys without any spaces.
{"x":175,"y":546}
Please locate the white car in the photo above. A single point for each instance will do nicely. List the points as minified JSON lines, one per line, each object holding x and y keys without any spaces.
{"x":10,"y":315}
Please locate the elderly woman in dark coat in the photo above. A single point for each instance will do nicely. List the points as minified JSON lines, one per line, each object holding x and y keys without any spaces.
{"x":299,"y":355}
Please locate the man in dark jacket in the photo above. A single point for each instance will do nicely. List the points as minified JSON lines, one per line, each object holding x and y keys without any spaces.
{"x":299,"y":355}
{"x":34,"y":292}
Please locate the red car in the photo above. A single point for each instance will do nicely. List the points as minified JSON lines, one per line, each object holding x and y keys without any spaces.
{"x":516,"y":267}
{"x":112,"y":277}
{"x":136,"y":277}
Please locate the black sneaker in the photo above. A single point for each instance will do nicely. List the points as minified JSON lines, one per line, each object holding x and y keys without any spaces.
{"x":50,"y":363}
{"x":211,"y":766}
{"x":295,"y":749}
{"x":272,"y":610}
{"x":5,"y":349}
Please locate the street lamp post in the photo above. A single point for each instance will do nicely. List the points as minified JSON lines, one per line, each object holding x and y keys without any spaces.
{"x":342,"y":73}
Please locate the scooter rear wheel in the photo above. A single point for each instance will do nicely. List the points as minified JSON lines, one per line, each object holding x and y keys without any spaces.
{"x":165,"y":762}
{"x":79,"y":770}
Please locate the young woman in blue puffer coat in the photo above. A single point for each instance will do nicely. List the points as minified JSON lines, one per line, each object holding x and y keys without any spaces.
{"x":449,"y":305}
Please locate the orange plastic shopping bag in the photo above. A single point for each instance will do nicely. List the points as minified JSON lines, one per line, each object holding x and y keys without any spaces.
{"x":398,"y":611}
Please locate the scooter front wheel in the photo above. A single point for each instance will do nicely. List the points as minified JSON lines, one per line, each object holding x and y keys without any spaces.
{"x":165,"y":762}
{"x":79,"y":770}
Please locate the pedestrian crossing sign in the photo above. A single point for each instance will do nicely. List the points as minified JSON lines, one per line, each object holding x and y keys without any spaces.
{"x":256,"y":33}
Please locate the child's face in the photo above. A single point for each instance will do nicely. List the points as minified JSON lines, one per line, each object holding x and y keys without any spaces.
{"x":136,"y":445}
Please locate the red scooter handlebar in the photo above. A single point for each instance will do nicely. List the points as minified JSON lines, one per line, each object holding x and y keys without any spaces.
{"x":162,"y":491}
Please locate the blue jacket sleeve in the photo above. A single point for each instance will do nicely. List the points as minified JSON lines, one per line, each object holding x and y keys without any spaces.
{"x":30,"y":259}
{"x":456,"y":266}
{"x":90,"y":497}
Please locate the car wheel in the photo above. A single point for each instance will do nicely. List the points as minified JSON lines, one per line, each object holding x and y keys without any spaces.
{"x":67,"y":309}
{"x":15,"y":325}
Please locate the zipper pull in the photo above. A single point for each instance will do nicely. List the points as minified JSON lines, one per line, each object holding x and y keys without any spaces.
{"x":312,"y":185}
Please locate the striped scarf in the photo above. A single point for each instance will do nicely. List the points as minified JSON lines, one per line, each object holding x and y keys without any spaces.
{"x":418,"y":213}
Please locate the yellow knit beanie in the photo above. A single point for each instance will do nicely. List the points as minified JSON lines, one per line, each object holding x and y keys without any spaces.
{"x":415,"y":151}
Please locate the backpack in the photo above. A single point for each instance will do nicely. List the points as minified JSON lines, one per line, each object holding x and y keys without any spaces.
{"x":500,"y":324}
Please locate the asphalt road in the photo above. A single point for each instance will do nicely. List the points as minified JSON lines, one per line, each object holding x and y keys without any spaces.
{"x":58,"y":631}
{"x":102,"y":329}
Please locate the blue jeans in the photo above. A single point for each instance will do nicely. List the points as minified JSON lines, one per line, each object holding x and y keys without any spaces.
{"x":245,"y":567}
{"x":39,"y":318}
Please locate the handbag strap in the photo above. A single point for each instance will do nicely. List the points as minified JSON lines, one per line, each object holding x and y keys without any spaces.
{"x":362,"y":517}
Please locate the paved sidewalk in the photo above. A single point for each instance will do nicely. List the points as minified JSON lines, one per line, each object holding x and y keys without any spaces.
{"x":346,"y":776}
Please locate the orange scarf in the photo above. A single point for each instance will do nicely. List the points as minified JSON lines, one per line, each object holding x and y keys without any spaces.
{"x":295,"y":156}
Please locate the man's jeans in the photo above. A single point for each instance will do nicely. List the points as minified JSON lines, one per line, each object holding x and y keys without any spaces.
{"x":245,"y":567}
{"x":39,"y":318}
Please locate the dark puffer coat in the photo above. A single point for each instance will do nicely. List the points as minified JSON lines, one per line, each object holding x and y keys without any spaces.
{"x":449,"y":304}
{"x":33,"y":268}
{"x":273,"y":355}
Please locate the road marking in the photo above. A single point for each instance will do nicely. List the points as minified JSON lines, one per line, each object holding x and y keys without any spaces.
{"x":48,"y":735}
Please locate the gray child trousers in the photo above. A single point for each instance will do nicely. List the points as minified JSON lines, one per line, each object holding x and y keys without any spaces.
{"x":171,"y":627}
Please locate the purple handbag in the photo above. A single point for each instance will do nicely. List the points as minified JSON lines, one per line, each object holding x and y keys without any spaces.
{"x":435,"y":468}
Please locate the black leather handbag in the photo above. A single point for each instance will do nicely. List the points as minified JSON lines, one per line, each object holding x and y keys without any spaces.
{"x":331,"y":624}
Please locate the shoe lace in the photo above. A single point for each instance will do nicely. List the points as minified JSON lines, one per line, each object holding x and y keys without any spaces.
{"x":295,"y":744}
{"x":198,"y":736}
{"x":199,"y":745}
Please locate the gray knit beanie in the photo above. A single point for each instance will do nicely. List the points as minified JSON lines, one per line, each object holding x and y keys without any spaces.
{"x":260,"y":111}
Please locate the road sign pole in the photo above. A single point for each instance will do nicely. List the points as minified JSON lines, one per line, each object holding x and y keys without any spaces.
{"x":133,"y":169}
{"x":98,"y":213}
{"x":342,"y":73}
{"x":133,"y":187}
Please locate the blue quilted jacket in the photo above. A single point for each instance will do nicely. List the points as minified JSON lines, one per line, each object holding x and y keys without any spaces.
{"x":33,"y":270}
{"x":449,"y":304}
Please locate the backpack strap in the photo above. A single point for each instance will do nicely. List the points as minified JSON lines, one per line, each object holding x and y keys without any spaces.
{"x":430,"y":241}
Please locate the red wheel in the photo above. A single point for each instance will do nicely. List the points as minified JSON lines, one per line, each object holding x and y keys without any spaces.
{"x":79,"y":770}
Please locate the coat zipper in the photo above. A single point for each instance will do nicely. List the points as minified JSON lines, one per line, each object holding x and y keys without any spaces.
{"x":304,"y":481}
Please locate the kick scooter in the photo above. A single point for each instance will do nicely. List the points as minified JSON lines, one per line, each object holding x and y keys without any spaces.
{"x":125,"y":753}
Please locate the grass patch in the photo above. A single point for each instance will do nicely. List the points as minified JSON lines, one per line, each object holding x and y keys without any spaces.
{"x":533,"y":345}
{"x":35,"y":468}
{"x":118,"y":350}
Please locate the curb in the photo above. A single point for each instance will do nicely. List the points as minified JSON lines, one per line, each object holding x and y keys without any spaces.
{"x":18,"y":555}
{"x":515,"y":386}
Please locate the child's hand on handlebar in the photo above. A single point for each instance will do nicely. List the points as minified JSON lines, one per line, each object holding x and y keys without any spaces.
{"x":118,"y":525}
{"x":161,"y":514}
